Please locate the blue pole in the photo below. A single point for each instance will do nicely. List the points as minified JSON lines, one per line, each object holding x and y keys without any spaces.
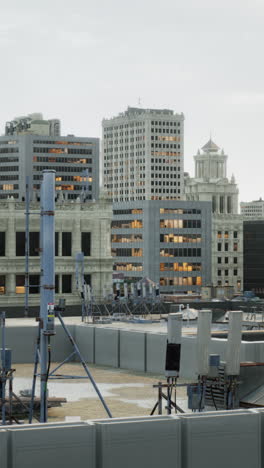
{"x":3,"y":370}
{"x":47,"y":280}
{"x":27,"y":249}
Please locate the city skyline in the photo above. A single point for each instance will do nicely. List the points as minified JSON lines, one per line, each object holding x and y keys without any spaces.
{"x":83,"y":62}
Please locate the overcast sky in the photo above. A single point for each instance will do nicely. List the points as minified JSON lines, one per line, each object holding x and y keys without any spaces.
{"x":83,"y":60}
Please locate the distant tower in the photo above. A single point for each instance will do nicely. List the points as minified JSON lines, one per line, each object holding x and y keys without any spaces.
{"x":211,"y":183}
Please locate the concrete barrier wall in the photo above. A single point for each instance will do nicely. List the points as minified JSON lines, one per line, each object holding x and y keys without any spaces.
{"x":139,"y":443}
{"x":128,"y":349}
{"x":133,"y":350}
{"x":221,"y":440}
{"x":3,"y":449}
{"x":107,"y":346}
{"x":86,"y":343}
{"x":22,"y":341}
{"x":194,"y":440}
{"x":155,"y":352}
{"x":53,"y":447}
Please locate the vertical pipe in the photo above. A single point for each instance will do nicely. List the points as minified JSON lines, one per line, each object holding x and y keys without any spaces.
{"x":27,"y":249}
{"x":3,"y":370}
{"x":48,"y":278}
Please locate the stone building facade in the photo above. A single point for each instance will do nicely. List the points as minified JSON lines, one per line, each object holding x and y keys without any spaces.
{"x":79,"y":227}
{"x":212,"y":184}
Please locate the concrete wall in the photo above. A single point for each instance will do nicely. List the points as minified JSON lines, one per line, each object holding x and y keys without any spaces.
{"x":22,"y":341}
{"x":85,"y":338}
{"x":155,"y":352}
{"x":195,"y":440}
{"x":128,"y":349}
{"x":139,"y":443}
{"x":133,"y":350}
{"x":107,"y":346}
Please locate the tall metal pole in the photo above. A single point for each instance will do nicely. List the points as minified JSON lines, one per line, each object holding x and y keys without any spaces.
{"x":27,"y":248}
{"x":47,"y":280}
{"x":3,"y":370}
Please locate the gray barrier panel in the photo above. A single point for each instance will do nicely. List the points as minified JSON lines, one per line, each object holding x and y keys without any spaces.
{"x":107,"y":347}
{"x":84,"y":335}
{"x":139,"y":444}
{"x":60,"y":343}
{"x":66,"y":447}
{"x":22,"y":341}
{"x":3,"y":448}
{"x":132,"y":350}
{"x":155,"y":353}
{"x":221,"y":440}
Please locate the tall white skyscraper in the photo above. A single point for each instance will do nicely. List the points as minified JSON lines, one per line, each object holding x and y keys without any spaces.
{"x":142,"y":152}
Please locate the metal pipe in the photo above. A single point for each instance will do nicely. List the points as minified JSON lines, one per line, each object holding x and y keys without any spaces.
{"x":3,"y":369}
{"x":48,"y":278}
{"x":84,"y":365}
{"x":27,"y":249}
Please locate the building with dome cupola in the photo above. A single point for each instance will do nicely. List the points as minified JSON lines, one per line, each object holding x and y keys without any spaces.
{"x":211,"y":183}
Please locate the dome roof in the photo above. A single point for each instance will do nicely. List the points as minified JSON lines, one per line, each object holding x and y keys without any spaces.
{"x":210,"y":147}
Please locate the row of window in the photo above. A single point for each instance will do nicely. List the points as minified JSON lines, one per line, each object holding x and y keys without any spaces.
{"x":8,"y":159}
{"x":62,"y":160}
{"x":180,"y":223}
{"x":9,"y":177}
{"x":181,"y":281}
{"x":179,"y":211}
{"x":36,"y":149}
{"x":226,"y":247}
{"x":134,"y":252}
{"x":34,"y":284}
{"x":66,"y":244}
{"x":184,"y":266}
{"x":171,"y":190}
{"x":190,"y":238}
{"x":227,"y":260}
{"x":9,"y":150}
{"x":180,"y":252}
{"x":8,"y":168}
{"x":128,"y":267}
{"x":226,"y":234}
{"x":227,"y":272}
{"x":126,"y":238}
{"x":71,"y":143}
{"x":127,"y":224}
{"x":131,"y":211}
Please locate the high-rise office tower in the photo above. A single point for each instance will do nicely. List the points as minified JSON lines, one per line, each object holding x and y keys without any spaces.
{"x":142,"y":152}
{"x":30,"y":146}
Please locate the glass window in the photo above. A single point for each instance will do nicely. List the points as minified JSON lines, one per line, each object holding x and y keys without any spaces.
{"x":66,"y":244}
{"x":34,"y":284}
{"x":86,"y":243}
{"x":20,"y":244}
{"x":20,"y":284}
{"x":2,"y":245}
{"x":2,"y":284}
{"x":66,"y":284}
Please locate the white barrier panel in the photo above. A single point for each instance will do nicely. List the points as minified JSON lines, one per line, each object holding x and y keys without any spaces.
{"x":53,"y":447}
{"x":222,"y":440}
{"x":139,"y":444}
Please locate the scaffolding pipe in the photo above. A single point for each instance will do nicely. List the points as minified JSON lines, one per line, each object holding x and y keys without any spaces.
{"x":3,"y":371}
{"x":48,"y":279}
{"x":27,"y":249}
